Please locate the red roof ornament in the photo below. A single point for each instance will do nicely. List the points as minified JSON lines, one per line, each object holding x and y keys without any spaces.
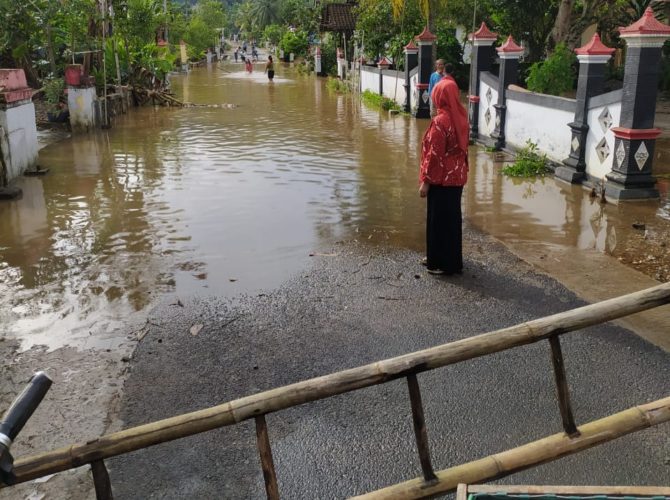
{"x":411,"y":46}
{"x":162,"y":43}
{"x":384,"y":62}
{"x":594,"y":48}
{"x":510,"y":47}
{"x":483,"y":33}
{"x":426,"y":36}
{"x":646,"y":25}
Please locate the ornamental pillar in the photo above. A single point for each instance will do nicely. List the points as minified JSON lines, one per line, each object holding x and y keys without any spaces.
{"x":317,"y":61}
{"x":592,"y":59}
{"x":382,"y":65}
{"x":635,"y":137}
{"x":481,"y":60}
{"x":426,"y":43}
{"x":509,"y":54}
{"x":411,"y":62}
{"x":18,"y":130}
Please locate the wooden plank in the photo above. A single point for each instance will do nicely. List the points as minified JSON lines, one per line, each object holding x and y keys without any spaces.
{"x":103,"y":486}
{"x":531,"y":454}
{"x":314,"y":389}
{"x":462,"y":492}
{"x":265,"y":451}
{"x":568,"y":490}
{"x":420,"y":431}
{"x":562,"y":389}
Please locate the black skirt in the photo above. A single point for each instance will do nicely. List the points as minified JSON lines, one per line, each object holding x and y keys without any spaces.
{"x":271,"y":74}
{"x":444,"y":231}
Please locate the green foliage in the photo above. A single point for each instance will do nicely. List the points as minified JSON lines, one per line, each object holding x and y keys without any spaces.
{"x":379,"y":101}
{"x":380,"y":33}
{"x":294,"y":42}
{"x":53,"y":91}
{"x":329,"y":55}
{"x":337,"y":85}
{"x":273,"y":34}
{"x":529,"y":163}
{"x":555,"y":75}
{"x":449,"y":49}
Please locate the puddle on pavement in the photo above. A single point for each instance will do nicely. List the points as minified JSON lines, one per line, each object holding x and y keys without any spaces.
{"x":228,"y":201}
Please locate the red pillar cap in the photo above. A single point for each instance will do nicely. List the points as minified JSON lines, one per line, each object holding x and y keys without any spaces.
{"x":594,"y":48}
{"x":646,"y":25}
{"x":483,"y":33}
{"x":510,"y":47}
{"x":426,"y":36}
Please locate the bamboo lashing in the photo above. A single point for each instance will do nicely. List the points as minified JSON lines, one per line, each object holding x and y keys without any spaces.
{"x":317,"y":388}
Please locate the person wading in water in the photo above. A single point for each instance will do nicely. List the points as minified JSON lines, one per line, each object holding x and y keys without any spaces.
{"x":270,"y":68}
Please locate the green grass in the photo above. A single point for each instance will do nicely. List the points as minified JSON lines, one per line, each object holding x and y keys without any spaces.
{"x":337,"y":85}
{"x":379,"y":102}
{"x":529,"y":163}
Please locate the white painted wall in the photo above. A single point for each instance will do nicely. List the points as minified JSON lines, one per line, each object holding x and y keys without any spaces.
{"x":546,"y":127}
{"x":414,"y":94}
{"x":82,"y":111}
{"x":485,"y":130}
{"x":370,"y":81}
{"x":594,"y":167}
{"x":19,"y":141}
{"x":390,"y":90}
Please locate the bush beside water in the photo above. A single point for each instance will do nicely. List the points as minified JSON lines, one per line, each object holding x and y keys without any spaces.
{"x":379,"y":101}
{"x":529,"y":163}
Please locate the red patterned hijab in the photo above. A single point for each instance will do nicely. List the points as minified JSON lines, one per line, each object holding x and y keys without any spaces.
{"x":446,"y":99}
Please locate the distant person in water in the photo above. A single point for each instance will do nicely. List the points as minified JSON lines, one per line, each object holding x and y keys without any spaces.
{"x":237,"y":53}
{"x":270,"y":68}
{"x":249,"y":67}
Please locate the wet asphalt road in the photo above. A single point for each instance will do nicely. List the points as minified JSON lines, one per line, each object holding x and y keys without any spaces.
{"x":363,"y":304}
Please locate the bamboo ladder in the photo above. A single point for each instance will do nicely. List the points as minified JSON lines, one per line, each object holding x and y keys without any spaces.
{"x":549,"y":328}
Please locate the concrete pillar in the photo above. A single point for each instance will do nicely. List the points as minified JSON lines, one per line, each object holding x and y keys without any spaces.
{"x":592,"y":59}
{"x":317,"y":61}
{"x":411,"y":62}
{"x":81,"y":99}
{"x":426,"y":43}
{"x":509,"y":54}
{"x":210,"y":56}
{"x":481,"y":60}
{"x":341,"y":64}
{"x":18,"y":130}
{"x":382,"y":65}
{"x":635,"y":137}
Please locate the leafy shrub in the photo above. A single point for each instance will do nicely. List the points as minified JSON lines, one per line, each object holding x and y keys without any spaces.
{"x":379,"y":101}
{"x":273,"y":34}
{"x":295,"y":42}
{"x":529,"y":162}
{"x":53,"y":90}
{"x":555,"y":75}
{"x":337,"y":85}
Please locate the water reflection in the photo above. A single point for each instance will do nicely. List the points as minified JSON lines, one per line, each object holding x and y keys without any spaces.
{"x":223,"y":201}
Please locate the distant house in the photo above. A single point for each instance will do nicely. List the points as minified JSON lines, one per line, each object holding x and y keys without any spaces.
{"x":338,"y":18}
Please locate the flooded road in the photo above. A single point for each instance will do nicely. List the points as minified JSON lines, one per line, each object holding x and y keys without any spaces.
{"x":218,"y":201}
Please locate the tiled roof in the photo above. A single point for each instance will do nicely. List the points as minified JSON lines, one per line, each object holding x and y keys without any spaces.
{"x":337,"y":17}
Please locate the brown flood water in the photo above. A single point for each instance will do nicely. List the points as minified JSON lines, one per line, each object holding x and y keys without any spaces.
{"x":199,"y":201}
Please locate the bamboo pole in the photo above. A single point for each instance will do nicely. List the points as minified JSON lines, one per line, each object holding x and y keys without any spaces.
{"x":103,"y":486}
{"x":531,"y":454}
{"x":562,"y":390}
{"x":317,"y":388}
{"x":420,"y":431}
{"x":267,"y":464}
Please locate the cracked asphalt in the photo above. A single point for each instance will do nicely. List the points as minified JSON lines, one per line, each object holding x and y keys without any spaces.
{"x":357,"y":304}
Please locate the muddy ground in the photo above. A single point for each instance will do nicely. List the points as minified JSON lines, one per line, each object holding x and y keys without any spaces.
{"x":357,"y":303}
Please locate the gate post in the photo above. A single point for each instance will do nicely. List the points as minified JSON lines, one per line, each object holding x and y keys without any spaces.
{"x":18,"y":130}
{"x":592,"y":58}
{"x":426,"y":41}
{"x":81,"y":99}
{"x":481,"y":59}
{"x":411,"y":62}
{"x":509,"y":54}
{"x":635,"y":137}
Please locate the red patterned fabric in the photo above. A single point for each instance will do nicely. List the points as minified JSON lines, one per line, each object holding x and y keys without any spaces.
{"x":444,"y":150}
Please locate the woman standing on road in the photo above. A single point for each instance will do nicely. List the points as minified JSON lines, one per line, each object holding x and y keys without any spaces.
{"x":270,"y":68}
{"x":443,"y":173}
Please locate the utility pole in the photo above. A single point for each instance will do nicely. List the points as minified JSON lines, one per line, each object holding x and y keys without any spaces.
{"x":166,"y":24}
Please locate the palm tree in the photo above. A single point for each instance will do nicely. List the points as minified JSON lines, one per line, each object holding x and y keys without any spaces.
{"x":264,"y":12}
{"x":428,"y":9}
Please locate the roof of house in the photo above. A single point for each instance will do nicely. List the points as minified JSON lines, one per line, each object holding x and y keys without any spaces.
{"x":338,"y":17}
